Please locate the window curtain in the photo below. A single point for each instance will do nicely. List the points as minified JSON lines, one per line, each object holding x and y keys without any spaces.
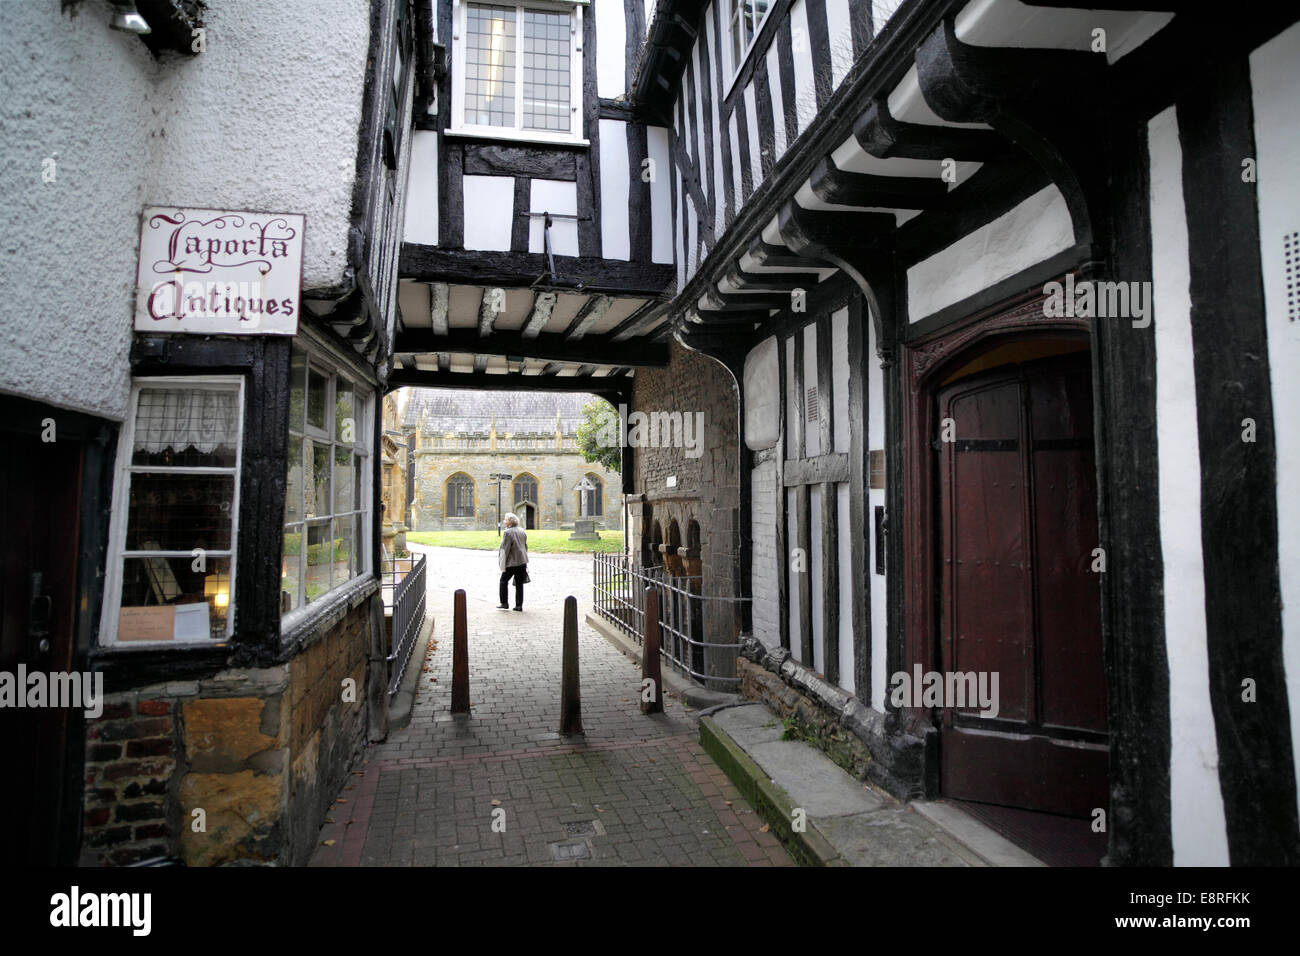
{"x":183,"y":417}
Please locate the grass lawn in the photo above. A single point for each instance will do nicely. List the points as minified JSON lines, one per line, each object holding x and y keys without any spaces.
{"x":539,"y":542}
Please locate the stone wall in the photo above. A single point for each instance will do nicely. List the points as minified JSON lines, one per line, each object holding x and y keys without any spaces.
{"x":705,"y":491}
{"x":558,"y":504}
{"x":899,"y":758}
{"x":261,"y":752}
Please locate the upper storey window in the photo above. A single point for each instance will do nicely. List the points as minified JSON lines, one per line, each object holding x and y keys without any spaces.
{"x":518,"y":71}
{"x":744,"y":20}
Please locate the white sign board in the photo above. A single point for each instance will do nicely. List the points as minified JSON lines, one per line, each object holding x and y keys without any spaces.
{"x":211,"y":271}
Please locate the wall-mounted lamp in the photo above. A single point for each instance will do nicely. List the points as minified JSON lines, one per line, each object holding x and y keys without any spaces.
{"x":127,"y":18}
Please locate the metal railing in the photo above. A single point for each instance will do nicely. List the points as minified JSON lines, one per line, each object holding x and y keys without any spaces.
{"x":405,"y":594}
{"x":618,"y":595}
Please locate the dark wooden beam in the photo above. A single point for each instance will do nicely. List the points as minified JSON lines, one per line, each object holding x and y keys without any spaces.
{"x":638,"y":322}
{"x":882,"y":136}
{"x":523,"y":269}
{"x":598,"y":350}
{"x":833,"y":185}
{"x":419,"y":378}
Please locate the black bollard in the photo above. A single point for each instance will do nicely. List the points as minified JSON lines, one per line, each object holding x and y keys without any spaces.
{"x":650,"y":658}
{"x":460,"y":657}
{"x":570,"y":699}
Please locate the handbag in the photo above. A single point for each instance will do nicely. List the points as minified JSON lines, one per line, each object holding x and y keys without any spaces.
{"x":526,"y":578}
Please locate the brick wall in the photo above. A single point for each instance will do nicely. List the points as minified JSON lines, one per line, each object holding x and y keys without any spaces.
{"x":261,"y":752}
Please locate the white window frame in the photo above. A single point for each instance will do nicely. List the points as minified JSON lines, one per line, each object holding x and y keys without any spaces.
{"x":123,"y":470}
{"x":734,"y":68}
{"x":319,"y":360}
{"x":459,"y":127}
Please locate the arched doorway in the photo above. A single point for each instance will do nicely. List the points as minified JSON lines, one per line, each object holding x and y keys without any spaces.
{"x":1001,"y":535}
{"x":525,"y":498}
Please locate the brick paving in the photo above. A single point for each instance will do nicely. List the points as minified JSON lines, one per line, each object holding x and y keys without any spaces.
{"x":633,"y":790}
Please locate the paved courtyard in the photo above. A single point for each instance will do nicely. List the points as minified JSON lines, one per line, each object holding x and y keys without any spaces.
{"x":501,"y":787}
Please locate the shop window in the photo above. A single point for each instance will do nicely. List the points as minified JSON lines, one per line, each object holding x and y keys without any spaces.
{"x":171,"y":575}
{"x":327,"y":490}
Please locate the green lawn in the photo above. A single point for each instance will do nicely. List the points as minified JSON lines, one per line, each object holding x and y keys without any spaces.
{"x":539,"y":542}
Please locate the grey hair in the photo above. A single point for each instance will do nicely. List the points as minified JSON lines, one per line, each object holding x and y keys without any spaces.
{"x":511,"y":519}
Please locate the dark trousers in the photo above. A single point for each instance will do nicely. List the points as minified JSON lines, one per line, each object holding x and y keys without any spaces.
{"x":517,"y":572}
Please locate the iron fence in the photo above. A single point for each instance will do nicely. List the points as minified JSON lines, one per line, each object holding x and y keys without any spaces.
{"x":618,"y":595}
{"x":405,"y":594}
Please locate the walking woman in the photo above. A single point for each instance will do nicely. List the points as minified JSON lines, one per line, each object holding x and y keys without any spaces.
{"x":513,"y":558}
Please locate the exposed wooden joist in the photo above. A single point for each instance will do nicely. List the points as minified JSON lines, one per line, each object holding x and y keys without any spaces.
{"x":598,"y":350}
{"x":833,"y":185}
{"x":480,"y":363}
{"x":638,"y":322}
{"x":543,"y":305}
{"x":488,"y":310}
{"x":522,"y":269}
{"x":592,"y":311}
{"x":438,"y":294}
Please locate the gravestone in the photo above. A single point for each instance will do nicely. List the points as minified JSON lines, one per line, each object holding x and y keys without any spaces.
{"x":584,"y":530}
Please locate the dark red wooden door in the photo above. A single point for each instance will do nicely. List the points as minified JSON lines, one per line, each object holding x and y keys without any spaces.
{"x":39,"y":486}
{"x":1018,"y":529}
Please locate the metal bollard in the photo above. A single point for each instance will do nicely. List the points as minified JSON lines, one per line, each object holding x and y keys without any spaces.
{"x":460,"y":657}
{"x":650,"y":670}
{"x":570,"y":699}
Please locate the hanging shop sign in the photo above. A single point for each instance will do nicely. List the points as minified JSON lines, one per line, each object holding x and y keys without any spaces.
{"x":210,"y":271}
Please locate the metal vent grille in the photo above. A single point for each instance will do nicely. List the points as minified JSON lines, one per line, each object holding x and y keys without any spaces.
{"x":1291,"y":259}
{"x":810,"y":405}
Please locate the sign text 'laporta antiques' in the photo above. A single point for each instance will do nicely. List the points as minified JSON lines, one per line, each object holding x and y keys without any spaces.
{"x":214,"y":272}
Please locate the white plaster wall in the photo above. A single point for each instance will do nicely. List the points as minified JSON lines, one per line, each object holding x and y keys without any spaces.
{"x":81,"y":94}
{"x":764,"y":564}
{"x":812,"y":433}
{"x":554,"y":196}
{"x":422,"y":189}
{"x":611,"y":37}
{"x":792,"y":584}
{"x":661,"y":195}
{"x":489,"y":212}
{"x":816,"y":567}
{"x":1199,"y":830}
{"x":847,"y":584}
{"x":778,"y":105}
{"x":240,"y":126}
{"x":840,"y":379}
{"x":1033,"y":231}
{"x":840,"y":30}
{"x":805,"y":99}
{"x":762,"y":395}
{"x":268,"y":118}
{"x":876,"y":440}
{"x":616,"y":242}
{"x":755,"y":143}
{"x":1276,"y":88}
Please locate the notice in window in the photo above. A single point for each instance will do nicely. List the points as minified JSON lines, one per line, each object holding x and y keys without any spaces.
{"x":146,"y":623}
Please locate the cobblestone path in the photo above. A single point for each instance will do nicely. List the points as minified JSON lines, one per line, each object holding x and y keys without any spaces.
{"x":633,"y":790}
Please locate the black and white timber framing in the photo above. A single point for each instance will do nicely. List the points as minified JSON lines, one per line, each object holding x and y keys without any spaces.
{"x":874,"y":197}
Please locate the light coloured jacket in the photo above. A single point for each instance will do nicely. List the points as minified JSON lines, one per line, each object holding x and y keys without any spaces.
{"x":514,"y":548}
